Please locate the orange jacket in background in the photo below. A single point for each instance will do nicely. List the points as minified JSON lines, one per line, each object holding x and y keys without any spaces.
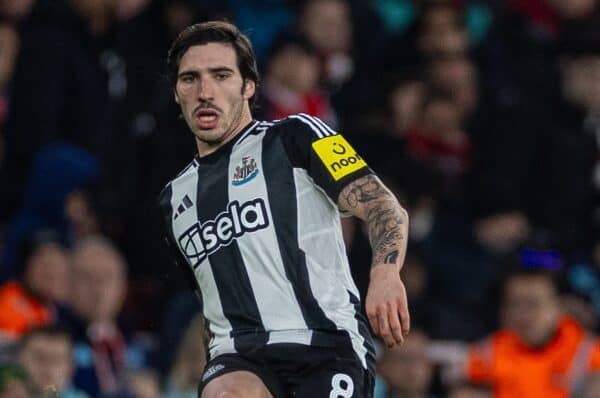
{"x":553,"y":371}
{"x":19,"y":311}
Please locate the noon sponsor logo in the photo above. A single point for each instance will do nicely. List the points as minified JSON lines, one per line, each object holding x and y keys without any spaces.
{"x":338,"y":156}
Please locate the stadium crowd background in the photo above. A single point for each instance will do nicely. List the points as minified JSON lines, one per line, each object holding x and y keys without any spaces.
{"x":484,"y":116}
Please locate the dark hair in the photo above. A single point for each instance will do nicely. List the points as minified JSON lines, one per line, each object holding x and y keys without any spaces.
{"x":53,"y":331}
{"x":214,"y":32}
{"x":530,"y":273}
{"x":286,"y":39}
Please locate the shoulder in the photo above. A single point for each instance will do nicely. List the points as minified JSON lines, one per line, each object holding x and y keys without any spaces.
{"x":166,"y":192}
{"x":302,"y":124}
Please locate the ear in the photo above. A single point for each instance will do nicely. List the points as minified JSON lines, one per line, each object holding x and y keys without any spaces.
{"x":249,"y":89}
{"x":176,"y":96}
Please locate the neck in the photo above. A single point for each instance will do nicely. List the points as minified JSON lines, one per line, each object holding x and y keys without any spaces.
{"x":206,"y":148}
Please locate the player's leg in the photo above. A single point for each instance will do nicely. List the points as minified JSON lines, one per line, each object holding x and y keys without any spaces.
{"x":235,"y":376}
{"x":239,"y":384}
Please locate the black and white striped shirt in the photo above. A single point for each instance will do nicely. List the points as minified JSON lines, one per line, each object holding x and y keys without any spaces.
{"x":258,"y":224}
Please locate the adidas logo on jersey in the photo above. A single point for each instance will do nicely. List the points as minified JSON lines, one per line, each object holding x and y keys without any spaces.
{"x":185,"y":204}
{"x":199,"y":241}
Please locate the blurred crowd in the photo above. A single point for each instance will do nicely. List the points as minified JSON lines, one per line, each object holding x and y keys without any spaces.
{"x":483,"y":116}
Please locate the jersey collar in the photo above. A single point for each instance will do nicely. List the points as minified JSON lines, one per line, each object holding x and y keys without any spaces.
{"x":226,"y":148}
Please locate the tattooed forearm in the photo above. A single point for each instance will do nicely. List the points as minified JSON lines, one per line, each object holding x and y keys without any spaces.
{"x":386,"y":221}
{"x":384,"y":224}
{"x":391,"y":257}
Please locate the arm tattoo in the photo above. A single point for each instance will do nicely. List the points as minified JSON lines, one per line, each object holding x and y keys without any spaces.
{"x":363,"y":190}
{"x":382,"y":214}
{"x":391,"y":257}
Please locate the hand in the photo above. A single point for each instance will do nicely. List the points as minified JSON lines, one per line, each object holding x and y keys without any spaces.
{"x":387,"y":305}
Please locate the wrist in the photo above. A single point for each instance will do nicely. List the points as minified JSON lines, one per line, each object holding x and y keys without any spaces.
{"x":384,"y":270}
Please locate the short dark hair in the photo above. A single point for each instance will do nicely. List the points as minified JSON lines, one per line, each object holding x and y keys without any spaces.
{"x":52,"y":331}
{"x":530,"y":273}
{"x":214,"y":32}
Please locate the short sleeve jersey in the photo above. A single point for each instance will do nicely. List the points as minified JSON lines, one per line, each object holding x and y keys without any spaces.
{"x":257,"y":223}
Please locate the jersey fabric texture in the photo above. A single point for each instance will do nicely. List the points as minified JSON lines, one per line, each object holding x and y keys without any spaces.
{"x":293,"y":370}
{"x":258,"y":225}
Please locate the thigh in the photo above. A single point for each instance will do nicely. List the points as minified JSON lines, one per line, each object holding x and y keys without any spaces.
{"x":341,"y":378}
{"x":233,"y":376}
{"x":240,"y":384}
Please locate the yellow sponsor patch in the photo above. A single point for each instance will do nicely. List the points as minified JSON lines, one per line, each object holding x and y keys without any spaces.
{"x":338,"y":156}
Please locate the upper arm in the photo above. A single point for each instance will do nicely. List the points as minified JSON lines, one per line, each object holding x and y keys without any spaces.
{"x":362,"y":195}
{"x":327,"y":157}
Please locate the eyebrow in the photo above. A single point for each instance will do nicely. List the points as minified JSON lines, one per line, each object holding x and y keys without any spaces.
{"x":211,"y":70}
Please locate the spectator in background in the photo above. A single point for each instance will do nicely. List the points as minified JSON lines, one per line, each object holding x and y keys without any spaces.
{"x":58,"y":172}
{"x":405,"y":101}
{"x":263,"y":20}
{"x":13,"y":381}
{"x":348,"y":37}
{"x":292,"y":82}
{"x":441,"y":30}
{"x":456,"y":76}
{"x":143,"y":383}
{"x":538,"y":351}
{"x":46,"y":354}
{"x":470,"y":391}
{"x":31,"y":300}
{"x":9,"y":42}
{"x":590,"y":387}
{"x":97,"y":290}
{"x":441,"y":144}
{"x":553,"y":157}
{"x":327,"y":25}
{"x":405,"y":371}
{"x":15,"y":11}
{"x":187,"y":368}
{"x":72,"y":94}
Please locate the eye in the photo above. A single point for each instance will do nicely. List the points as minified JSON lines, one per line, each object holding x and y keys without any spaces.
{"x":222,"y":76}
{"x":187,"y":78}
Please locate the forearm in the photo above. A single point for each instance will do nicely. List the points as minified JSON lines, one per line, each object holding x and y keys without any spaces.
{"x":387,"y":224}
{"x":386,"y":220}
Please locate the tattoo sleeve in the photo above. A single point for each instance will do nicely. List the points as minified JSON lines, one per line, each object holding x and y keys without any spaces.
{"x":387,"y":222}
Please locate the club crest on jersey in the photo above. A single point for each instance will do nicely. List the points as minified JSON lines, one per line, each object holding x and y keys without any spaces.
{"x":245,"y":172}
{"x":201,"y":240}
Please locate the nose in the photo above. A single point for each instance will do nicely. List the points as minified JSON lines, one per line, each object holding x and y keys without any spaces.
{"x":205,"y":89}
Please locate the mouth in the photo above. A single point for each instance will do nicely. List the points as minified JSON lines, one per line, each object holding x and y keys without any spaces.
{"x":206,"y":118}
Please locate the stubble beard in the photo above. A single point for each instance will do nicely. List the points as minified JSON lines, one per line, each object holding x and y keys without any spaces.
{"x":230,"y":124}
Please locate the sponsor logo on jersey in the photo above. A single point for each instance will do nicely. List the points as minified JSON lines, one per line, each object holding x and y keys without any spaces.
{"x":245,"y":172}
{"x":212,"y":370}
{"x":338,"y":156}
{"x":199,"y":241}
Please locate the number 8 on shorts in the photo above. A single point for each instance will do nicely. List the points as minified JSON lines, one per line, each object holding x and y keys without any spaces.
{"x":342,"y":386}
